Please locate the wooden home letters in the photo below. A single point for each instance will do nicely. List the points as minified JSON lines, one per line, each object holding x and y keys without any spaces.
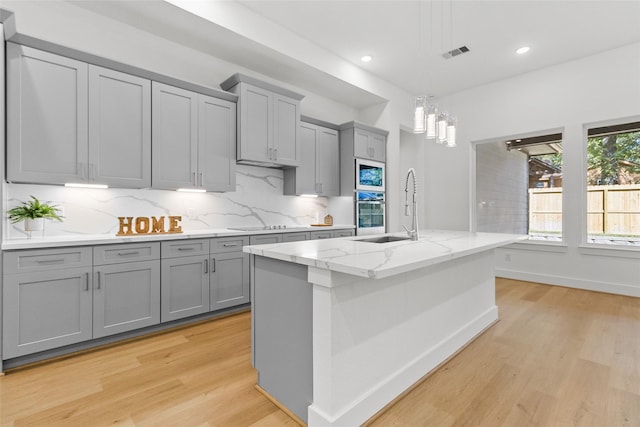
{"x":148,"y":225}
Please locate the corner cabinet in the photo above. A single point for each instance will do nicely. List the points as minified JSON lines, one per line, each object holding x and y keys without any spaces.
{"x":269,"y":119}
{"x":319,"y":171}
{"x":72,"y":122}
{"x":193,"y":140}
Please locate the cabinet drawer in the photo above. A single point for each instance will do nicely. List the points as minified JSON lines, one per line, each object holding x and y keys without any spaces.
{"x":230,"y":244}
{"x":295,"y":237}
{"x":180,"y":248}
{"x":128,"y":252}
{"x":343,"y":233}
{"x":317,"y":235}
{"x":46,"y":259}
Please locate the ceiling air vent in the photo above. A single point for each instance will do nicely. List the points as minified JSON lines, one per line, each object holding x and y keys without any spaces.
{"x":455,"y":52}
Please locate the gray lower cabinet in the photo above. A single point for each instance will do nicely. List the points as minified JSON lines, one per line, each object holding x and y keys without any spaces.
{"x":126,"y":291}
{"x":185,"y":279}
{"x":72,"y":122}
{"x":47,"y":299}
{"x":295,"y":237}
{"x":193,"y":140}
{"x":229,"y":273}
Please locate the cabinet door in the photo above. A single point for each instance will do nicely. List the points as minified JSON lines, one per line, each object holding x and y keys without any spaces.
{"x":125,"y":296}
{"x":119,"y":129}
{"x":327,"y":162}
{"x":286,"y":122}
{"x":378,"y":145}
{"x":46,"y":117}
{"x":44,"y":310}
{"x":229,"y":279}
{"x":256,"y":116}
{"x":216,"y":144}
{"x":305,"y":174}
{"x":361,"y":144}
{"x":174,"y":137}
{"x":184,"y":287}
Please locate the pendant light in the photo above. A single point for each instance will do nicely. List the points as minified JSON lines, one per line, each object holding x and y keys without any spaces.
{"x":419,"y":118}
{"x":451,"y":132}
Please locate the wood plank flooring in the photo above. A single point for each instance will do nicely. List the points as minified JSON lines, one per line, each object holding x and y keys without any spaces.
{"x":558,"y":357}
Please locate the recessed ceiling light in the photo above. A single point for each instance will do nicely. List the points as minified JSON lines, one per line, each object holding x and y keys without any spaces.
{"x":366,"y":58}
{"x":522,"y":50}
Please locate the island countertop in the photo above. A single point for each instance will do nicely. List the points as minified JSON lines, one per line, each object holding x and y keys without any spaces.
{"x":379,"y":260}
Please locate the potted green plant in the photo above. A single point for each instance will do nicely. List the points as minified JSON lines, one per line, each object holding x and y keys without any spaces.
{"x":33,"y":213}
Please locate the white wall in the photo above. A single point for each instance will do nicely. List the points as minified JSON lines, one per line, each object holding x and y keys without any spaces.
{"x":598,"y":88}
{"x":502,"y":181}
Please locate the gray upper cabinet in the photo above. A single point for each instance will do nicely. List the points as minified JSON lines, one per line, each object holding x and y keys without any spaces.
{"x":47,"y":118}
{"x":175,"y":137}
{"x":319,"y":172}
{"x":193,"y":140}
{"x":269,"y":118}
{"x":71,"y":122}
{"x":369,"y":145}
{"x":119,"y":129}
{"x":216,"y":144}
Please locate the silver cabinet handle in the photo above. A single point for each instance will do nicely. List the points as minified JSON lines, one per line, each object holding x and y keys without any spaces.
{"x":230,"y":245}
{"x":201,"y":179}
{"x":86,"y":282}
{"x":275,"y":151}
{"x":213,"y":265}
{"x":98,"y":284}
{"x":206,"y":266}
{"x":129,"y":253}
{"x":186,"y":249}
{"x":50,"y":261}
{"x":193,"y":179}
{"x":270,"y":154}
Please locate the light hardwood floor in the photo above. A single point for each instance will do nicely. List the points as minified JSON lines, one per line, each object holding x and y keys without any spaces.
{"x":558,"y":357}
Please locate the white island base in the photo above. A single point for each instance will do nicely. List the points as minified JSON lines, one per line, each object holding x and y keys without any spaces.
{"x":336,"y":348}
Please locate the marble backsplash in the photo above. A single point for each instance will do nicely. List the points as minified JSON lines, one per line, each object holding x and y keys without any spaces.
{"x":258,"y":200}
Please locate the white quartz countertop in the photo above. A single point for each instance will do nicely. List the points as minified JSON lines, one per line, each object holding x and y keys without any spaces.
{"x":105,"y":239}
{"x":379,"y":260}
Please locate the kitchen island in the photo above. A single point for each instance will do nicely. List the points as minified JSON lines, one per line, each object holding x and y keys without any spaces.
{"x":341,"y":328}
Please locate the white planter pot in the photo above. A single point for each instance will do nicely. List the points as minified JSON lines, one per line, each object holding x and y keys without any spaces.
{"x":36,"y":224}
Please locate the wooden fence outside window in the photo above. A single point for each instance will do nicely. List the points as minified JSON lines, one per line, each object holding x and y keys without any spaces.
{"x":612,"y":210}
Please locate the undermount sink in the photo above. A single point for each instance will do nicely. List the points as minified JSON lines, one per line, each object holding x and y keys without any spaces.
{"x":384,"y":239}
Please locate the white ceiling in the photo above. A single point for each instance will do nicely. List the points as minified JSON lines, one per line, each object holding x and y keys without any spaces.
{"x":406,"y":38}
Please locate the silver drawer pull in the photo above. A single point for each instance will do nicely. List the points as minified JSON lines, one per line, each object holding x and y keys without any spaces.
{"x":50,"y":261}
{"x":230,"y":245}
{"x":86,"y":282}
{"x":129,"y":253}
{"x":186,"y":249}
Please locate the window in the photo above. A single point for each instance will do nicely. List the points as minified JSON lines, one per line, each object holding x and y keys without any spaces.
{"x":519,"y":186}
{"x":613,"y":184}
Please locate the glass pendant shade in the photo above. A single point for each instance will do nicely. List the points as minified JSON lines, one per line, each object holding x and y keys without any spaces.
{"x":441,"y":126}
{"x":432,"y":110}
{"x":419,"y":123}
{"x":451,"y":132}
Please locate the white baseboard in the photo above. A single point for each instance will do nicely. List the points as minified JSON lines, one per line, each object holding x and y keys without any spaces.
{"x":569,"y":282}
